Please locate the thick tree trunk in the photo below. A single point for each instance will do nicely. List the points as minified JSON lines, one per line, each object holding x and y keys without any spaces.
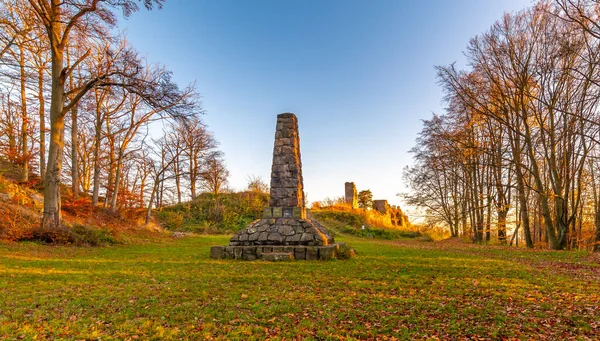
{"x":51,"y":218}
{"x":523,"y":210}
{"x":562,"y":226}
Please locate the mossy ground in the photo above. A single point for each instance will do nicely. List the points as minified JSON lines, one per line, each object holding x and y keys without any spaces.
{"x":403,"y":289}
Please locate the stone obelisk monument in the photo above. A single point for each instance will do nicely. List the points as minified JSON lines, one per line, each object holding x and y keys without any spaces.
{"x":285,"y":231}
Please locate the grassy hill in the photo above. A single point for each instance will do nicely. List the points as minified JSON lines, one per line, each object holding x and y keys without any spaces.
{"x":210,"y":213}
{"x":230,"y":212}
{"x":393,"y":290}
{"x":366,"y":224}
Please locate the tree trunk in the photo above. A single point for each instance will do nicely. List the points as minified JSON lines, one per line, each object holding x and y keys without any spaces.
{"x":542,"y":191}
{"x":502,"y":226}
{"x":24,"y":119}
{"x":74,"y":142}
{"x":74,"y":155}
{"x":597,"y":234}
{"x":111,"y":171}
{"x":154,"y":189}
{"x":42,"y":114}
{"x":560,"y":210}
{"x":488,"y":221}
{"x":115,"y":193}
{"x":51,"y":218}
{"x":97,"y":141}
{"x":142,"y":188}
{"x":523,"y":210}
{"x":177,"y":180}
{"x":193,"y":177}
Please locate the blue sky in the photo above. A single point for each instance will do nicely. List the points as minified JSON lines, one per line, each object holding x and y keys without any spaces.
{"x":358,"y":74}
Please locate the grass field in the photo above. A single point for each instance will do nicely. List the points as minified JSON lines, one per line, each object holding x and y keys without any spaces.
{"x":392,"y":290}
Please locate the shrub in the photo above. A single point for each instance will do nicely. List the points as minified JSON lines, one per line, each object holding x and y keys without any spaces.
{"x":344,"y":251}
{"x":76,"y":235}
{"x":16,"y":222}
{"x":92,"y":237}
{"x":171,"y":220}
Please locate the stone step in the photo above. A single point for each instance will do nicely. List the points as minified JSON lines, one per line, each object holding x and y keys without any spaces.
{"x":277,"y":256}
{"x":297,"y":252}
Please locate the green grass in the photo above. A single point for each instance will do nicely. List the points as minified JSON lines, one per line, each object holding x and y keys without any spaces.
{"x":392,"y":289}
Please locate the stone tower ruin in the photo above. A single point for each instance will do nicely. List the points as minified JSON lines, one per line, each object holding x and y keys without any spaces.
{"x":285,"y":231}
{"x":395,"y":214}
{"x":351,"y":194}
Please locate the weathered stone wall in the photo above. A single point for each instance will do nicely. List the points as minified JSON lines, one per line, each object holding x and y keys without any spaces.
{"x":351,"y":194}
{"x":381,"y":206}
{"x":287,"y":189}
{"x":397,"y":217}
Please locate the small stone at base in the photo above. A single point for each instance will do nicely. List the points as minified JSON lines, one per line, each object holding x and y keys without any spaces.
{"x":217,"y":252}
{"x":277,"y":256}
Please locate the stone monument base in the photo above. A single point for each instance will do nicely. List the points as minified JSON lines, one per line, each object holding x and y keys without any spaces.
{"x":279,"y":239}
{"x":286,"y":230}
{"x":282,"y":253}
{"x":282,"y":232}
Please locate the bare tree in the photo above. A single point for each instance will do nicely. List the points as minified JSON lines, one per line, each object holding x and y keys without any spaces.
{"x":214,"y":174}
{"x":60,"y":19}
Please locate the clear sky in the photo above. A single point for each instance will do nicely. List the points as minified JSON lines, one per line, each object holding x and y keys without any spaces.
{"x":358,"y":74}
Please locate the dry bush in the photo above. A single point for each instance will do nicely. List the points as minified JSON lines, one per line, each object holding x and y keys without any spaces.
{"x":375,"y":218}
{"x":17,"y":223}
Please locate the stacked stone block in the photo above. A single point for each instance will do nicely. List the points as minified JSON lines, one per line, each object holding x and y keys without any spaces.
{"x":397,"y":217}
{"x":351,"y":194}
{"x":287,"y":189}
{"x":282,"y":231}
{"x":281,"y":253}
{"x":285,"y":231}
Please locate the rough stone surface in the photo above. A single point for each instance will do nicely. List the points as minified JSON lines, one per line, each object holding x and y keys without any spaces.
{"x":285,"y":221}
{"x":276,"y":253}
{"x":217,"y":252}
{"x":381,"y":206}
{"x":286,"y":226}
{"x":327,"y":253}
{"x":312,"y":253}
{"x":351,"y":194}
{"x":287,"y":189}
{"x":394,"y":213}
{"x":277,"y":257}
